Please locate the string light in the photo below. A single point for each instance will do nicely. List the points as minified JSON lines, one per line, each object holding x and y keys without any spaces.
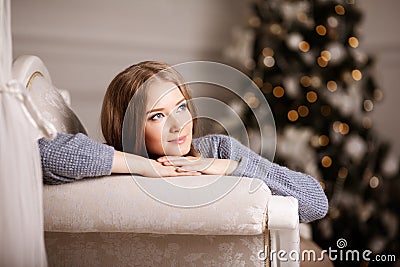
{"x":356,"y":74}
{"x":269,"y":61}
{"x":304,"y":46}
{"x":303,"y":111}
{"x":312,"y":96}
{"x":339,"y":9}
{"x":268,"y":52}
{"x":321,"y":30}
{"x":293,"y":115}
{"x":278,"y":91}
{"x":326,"y":161}
{"x":331,"y":85}
{"x":305,"y":81}
{"x":368,"y":105}
{"x":353,"y":42}
{"x":258,"y":81}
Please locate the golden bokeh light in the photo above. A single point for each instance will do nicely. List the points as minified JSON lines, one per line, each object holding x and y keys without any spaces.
{"x":374,"y":182}
{"x":343,"y":172}
{"x":353,"y":42}
{"x":344,"y":128}
{"x":356,"y":74}
{"x":269,"y":61}
{"x":275,"y":29}
{"x":326,"y":55}
{"x":254,"y":21}
{"x":378,"y":94}
{"x":267,"y":88}
{"x":304,"y":46}
{"x":323,"y":140}
{"x":278,"y":91}
{"x":321,"y":30}
{"x":303,"y":111}
{"x":302,"y":17}
{"x":326,"y":161}
{"x":268,"y":52}
{"x":339,"y":9}
{"x":322,"y":62}
{"x":315,"y":81}
{"x":312,"y":96}
{"x":293,"y":115}
{"x":336,"y":126}
{"x":258,"y":81}
{"x":367,"y":122}
{"x":305,"y":81}
{"x":332,"y":86}
{"x":368,"y":105}
{"x":251,"y":100}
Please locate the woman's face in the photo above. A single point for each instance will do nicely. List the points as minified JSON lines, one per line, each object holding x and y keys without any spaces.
{"x":168,"y":122}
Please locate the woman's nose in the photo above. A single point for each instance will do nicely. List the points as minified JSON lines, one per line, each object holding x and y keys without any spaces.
{"x":174,"y":123}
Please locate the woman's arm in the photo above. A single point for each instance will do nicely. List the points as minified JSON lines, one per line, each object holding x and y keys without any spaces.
{"x":313,"y":203}
{"x":71,"y":157}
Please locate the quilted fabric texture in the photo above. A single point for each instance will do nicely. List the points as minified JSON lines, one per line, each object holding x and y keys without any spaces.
{"x":53,"y":107}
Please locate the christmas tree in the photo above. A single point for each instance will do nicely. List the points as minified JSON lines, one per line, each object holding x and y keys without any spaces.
{"x":305,"y":57}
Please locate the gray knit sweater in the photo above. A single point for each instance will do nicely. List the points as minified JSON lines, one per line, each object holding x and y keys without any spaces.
{"x":70,"y":157}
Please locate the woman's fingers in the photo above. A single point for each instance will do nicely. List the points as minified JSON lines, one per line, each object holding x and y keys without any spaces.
{"x":178,"y":161}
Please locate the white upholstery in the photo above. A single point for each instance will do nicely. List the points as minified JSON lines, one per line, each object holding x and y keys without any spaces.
{"x":111,"y":221}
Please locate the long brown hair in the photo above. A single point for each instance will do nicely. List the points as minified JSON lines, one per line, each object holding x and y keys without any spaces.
{"x":123,"y":109}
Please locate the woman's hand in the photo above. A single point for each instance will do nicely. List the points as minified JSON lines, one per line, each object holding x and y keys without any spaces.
{"x":130,"y":163}
{"x":204,"y":165}
{"x":156,"y":169}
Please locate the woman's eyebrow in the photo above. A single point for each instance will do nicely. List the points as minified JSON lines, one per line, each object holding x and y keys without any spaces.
{"x":160,"y":109}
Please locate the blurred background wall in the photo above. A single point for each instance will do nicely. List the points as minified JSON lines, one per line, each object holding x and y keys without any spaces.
{"x":85,"y":43}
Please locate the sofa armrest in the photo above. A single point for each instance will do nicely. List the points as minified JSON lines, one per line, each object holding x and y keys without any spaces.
{"x":122,"y":203}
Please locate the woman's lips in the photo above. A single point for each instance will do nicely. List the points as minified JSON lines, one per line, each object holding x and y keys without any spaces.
{"x":179,"y":140}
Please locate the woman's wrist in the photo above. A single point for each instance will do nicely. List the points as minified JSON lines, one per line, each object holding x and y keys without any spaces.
{"x":128,"y":163}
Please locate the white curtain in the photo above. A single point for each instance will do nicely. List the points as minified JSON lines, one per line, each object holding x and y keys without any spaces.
{"x":21,"y":209}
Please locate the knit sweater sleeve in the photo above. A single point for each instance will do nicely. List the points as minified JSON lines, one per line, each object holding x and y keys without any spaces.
{"x":70,"y":157}
{"x":313,"y":203}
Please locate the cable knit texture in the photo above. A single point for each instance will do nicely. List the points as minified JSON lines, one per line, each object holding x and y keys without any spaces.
{"x":69,"y":157}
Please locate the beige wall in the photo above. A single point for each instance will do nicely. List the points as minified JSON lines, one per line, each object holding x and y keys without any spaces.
{"x":85,"y":43}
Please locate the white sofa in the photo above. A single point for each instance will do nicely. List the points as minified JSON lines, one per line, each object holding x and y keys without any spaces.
{"x":123,"y":220}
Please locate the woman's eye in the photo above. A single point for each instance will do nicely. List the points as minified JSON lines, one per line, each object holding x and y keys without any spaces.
{"x":182,"y":106}
{"x":157,"y":116}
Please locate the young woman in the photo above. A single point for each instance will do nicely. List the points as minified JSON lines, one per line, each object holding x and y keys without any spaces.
{"x":147,"y":112}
